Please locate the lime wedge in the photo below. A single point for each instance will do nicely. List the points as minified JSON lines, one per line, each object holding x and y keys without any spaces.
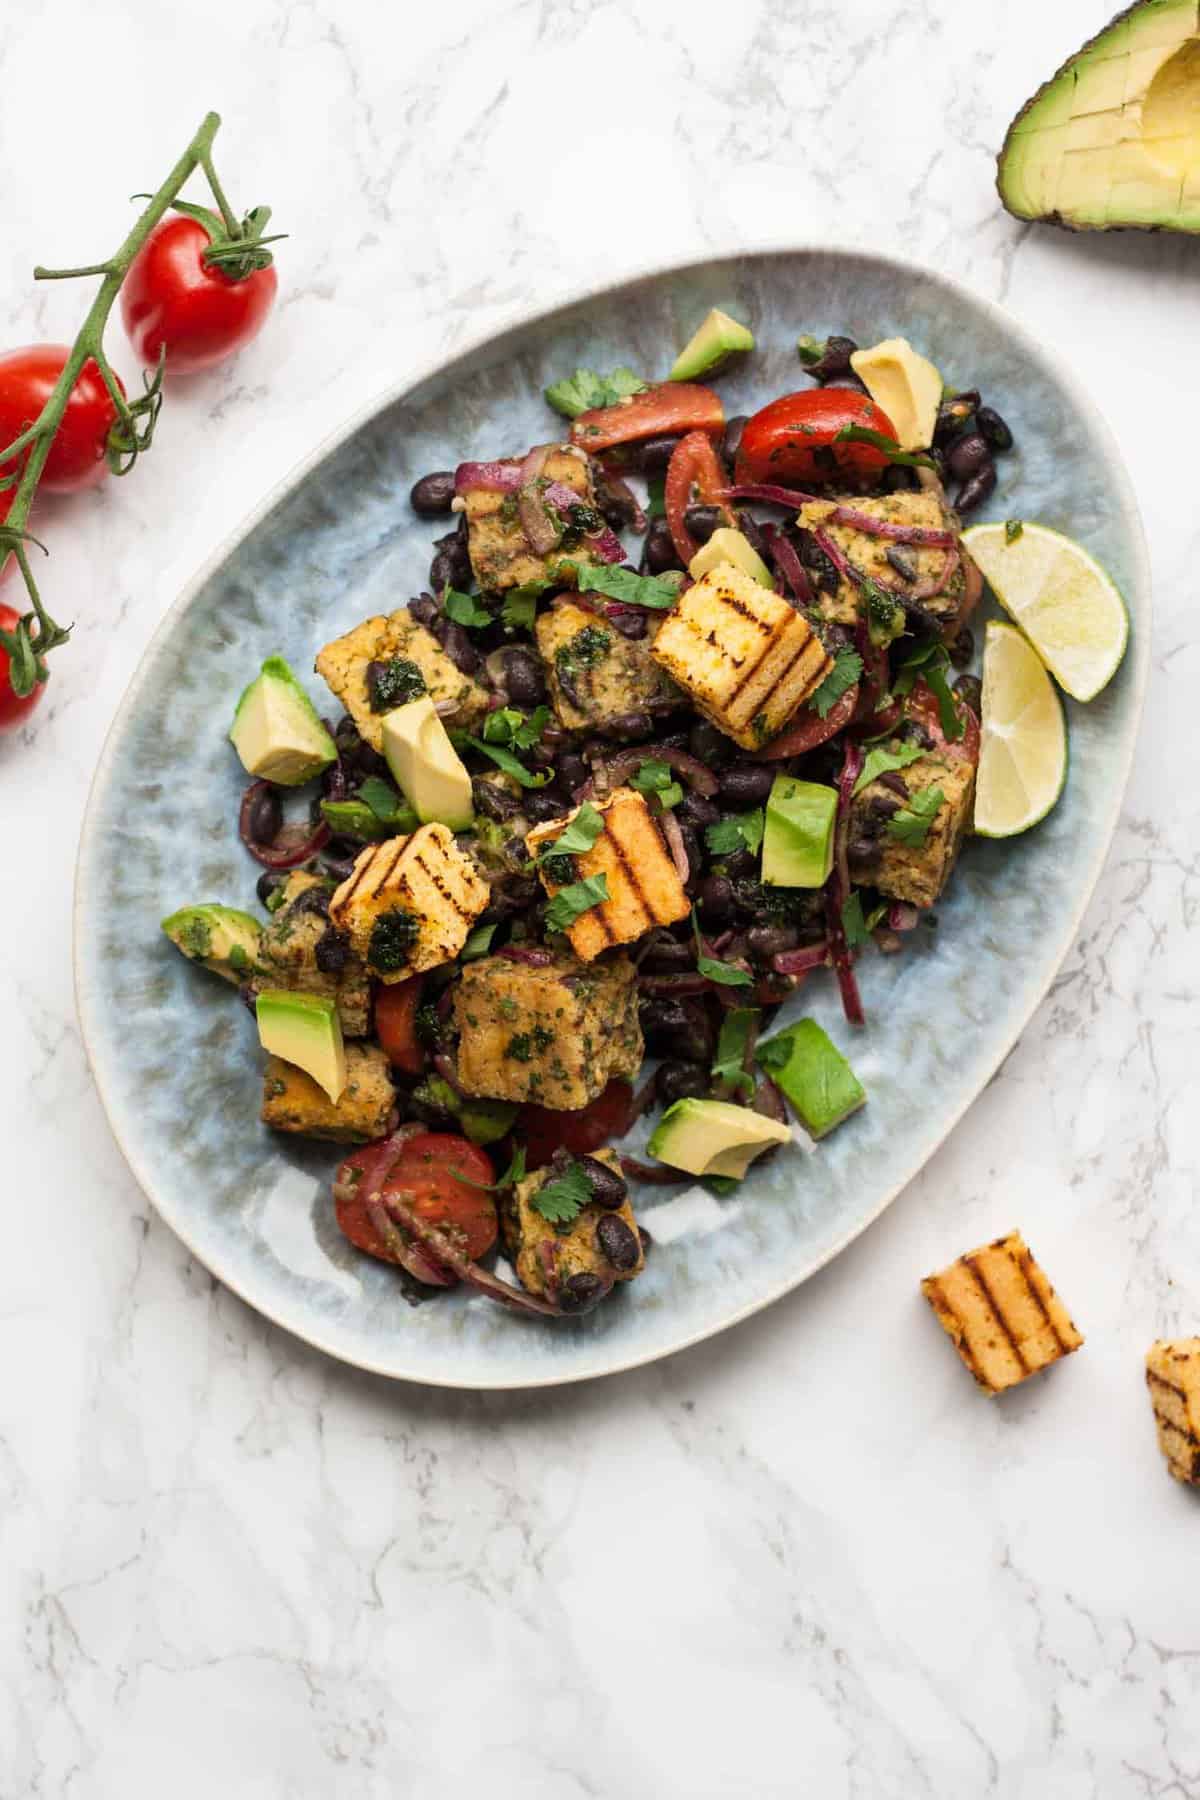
{"x":1023,"y":756}
{"x":1064,"y":602}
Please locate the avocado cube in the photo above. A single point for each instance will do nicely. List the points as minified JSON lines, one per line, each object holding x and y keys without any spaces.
{"x":714,"y":1137}
{"x":419,"y":665}
{"x":813,"y":1075}
{"x":869,"y":554}
{"x":594,"y":673}
{"x":425,"y":765}
{"x":715,"y":342}
{"x":547,"y":1257}
{"x":276,"y":731}
{"x":889,"y":851}
{"x":797,"y":847}
{"x":729,"y":546}
{"x":294,"y":1102}
{"x":304,"y":1029}
{"x":219,"y":938}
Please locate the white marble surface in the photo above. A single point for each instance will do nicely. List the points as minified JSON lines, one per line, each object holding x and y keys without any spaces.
{"x":804,"y":1559}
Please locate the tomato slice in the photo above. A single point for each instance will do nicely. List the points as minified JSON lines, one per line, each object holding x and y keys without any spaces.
{"x":693,"y":473}
{"x":793,"y":439}
{"x":809,"y":729}
{"x":667,"y":410}
{"x":426,"y":1170}
{"x":542,"y":1130}
{"x":396,"y":1024}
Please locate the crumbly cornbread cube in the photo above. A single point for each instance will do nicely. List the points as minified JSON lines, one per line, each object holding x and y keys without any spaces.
{"x":594,"y":672}
{"x":408,"y":904}
{"x":870,"y":553}
{"x":343,"y":666}
{"x":881,"y":858}
{"x":500,"y":555}
{"x":546,"y":1257}
{"x":1003,"y":1316}
{"x":557,"y":1033}
{"x":292,"y":1101}
{"x":644,"y":888}
{"x":288,"y":952}
{"x":1173,"y":1377}
{"x":745,"y":656}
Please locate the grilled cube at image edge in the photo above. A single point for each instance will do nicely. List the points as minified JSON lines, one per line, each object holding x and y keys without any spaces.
{"x":500,"y":554}
{"x":1001,"y":1313}
{"x":557,"y":1034}
{"x":744,"y":655}
{"x":546,"y":1256}
{"x":594,"y":673}
{"x":644,"y":888}
{"x":408,"y":904}
{"x":1173,"y":1377}
{"x":417,"y":665}
{"x":912,"y":871}
{"x":301,"y":949}
{"x":923,"y":563}
{"x":292,"y":1101}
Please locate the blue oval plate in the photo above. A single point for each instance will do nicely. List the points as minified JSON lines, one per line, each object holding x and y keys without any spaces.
{"x":174,"y":1054}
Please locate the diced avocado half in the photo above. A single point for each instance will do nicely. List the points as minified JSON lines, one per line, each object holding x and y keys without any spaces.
{"x":304,"y":1029}
{"x":811,"y":1072}
{"x":1113,"y":138}
{"x":905,"y":386}
{"x":797,"y":846}
{"x":711,"y":347}
{"x":482,"y":1121}
{"x":711,"y":1137}
{"x":425,"y":765}
{"x":221,"y":938}
{"x":276,"y":731}
{"x":729,"y":546}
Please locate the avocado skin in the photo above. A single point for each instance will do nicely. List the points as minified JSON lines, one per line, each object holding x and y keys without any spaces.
{"x":1056,"y":218}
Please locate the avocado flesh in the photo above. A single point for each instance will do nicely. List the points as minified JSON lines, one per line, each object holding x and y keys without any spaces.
{"x":811,"y":1072}
{"x":711,"y":1137}
{"x":729,"y":546}
{"x":711,"y":347}
{"x":798,"y":835}
{"x":218,"y":937}
{"x":1113,"y":139}
{"x":425,"y":765}
{"x":305,"y":1030}
{"x":276,"y":731}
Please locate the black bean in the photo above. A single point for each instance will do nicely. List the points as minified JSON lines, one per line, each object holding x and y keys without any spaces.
{"x":667,"y":956}
{"x":312,"y":900}
{"x":751,"y":530}
{"x":492,"y":800}
{"x":993,"y":428}
{"x":952,"y":415}
{"x":894,"y":779}
{"x":572,"y":770}
{"x":332,"y":952}
{"x":697,"y":809}
{"x":678,"y":1028}
{"x":680,"y":1081}
{"x":765,"y":941}
{"x":715,"y":899}
{"x":708,"y":745}
{"x":619,"y":1244}
{"x":740,"y":862}
{"x":266,"y":816}
{"x":424,"y":609}
{"x":899,"y":480}
{"x":746,"y":784}
{"x":523,"y":676}
{"x":731,"y":438}
{"x":903,"y":561}
{"x":339,"y":867}
{"x":442,"y":571}
{"x":579,"y":1293}
{"x":702,"y":521}
{"x":653,"y":455}
{"x":633,"y":726}
{"x":974,"y":492}
{"x":459,"y":648}
{"x":819,"y":566}
{"x":865,"y":851}
{"x":608,"y":1187}
{"x":451,"y":564}
{"x":268,"y":881}
{"x":966,"y":455}
{"x":834,"y":357}
{"x":659,"y":553}
{"x":540,"y":806}
{"x":629,"y":624}
{"x":970,"y":689}
{"x":433,"y":493}
{"x":962,"y":647}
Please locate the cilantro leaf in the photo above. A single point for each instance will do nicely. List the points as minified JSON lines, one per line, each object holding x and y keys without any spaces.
{"x":561,"y":1199}
{"x":570,"y":903}
{"x":1012,"y":530}
{"x":504,"y":759}
{"x":389,"y":807}
{"x":464,"y":609}
{"x":509,"y":726}
{"x":656,"y":505}
{"x":953,"y":725}
{"x":580,"y":834}
{"x":862,"y":434}
{"x":515,"y":1172}
{"x":727,"y":974}
{"x":857,"y":928}
{"x":651,"y":776}
{"x":657,"y":591}
{"x":742,"y":831}
{"x":910,"y":826}
{"x":775,"y":1054}
{"x":585,"y":390}
{"x":880,"y":760}
{"x":519,"y":606}
{"x":479,"y":942}
{"x":847,"y":667}
{"x":910,"y":666}
{"x":669,"y":796}
{"x":738,"y":1027}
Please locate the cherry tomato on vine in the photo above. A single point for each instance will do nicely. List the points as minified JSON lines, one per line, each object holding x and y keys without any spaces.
{"x":76,"y":458}
{"x":14,"y":709}
{"x":172,"y":298}
{"x":792,"y":439}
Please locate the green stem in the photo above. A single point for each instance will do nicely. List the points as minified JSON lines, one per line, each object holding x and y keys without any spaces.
{"x":40,"y":274}
{"x":232,"y":223}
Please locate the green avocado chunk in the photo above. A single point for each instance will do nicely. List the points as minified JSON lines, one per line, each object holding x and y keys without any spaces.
{"x":798,"y":835}
{"x":304,"y":1029}
{"x":482,"y":1121}
{"x":276,"y":731}
{"x":711,"y":347}
{"x":221,"y":938}
{"x":812,"y":1073}
{"x":1113,"y":138}
{"x":711,"y":1137}
{"x":729,"y":546}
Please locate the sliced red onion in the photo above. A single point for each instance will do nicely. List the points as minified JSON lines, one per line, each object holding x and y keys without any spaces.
{"x":444,"y":1064}
{"x":902,"y":916}
{"x":441,"y":1246}
{"x":604,"y":546}
{"x":535,"y":955}
{"x":933,"y":584}
{"x":786,"y":557}
{"x":622,"y":490}
{"x":869,"y":526}
{"x":541,"y":533}
{"x":289,"y":849}
{"x":534,"y":462}
{"x":767,"y":494}
{"x":656,"y":1177}
{"x":698,"y":777}
{"x":503,"y":477}
{"x":843,"y":963}
{"x":669,"y":826}
{"x":799,"y":962}
{"x":368,"y":1189}
{"x":826,"y":544}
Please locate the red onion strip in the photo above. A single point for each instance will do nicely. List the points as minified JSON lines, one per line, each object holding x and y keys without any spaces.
{"x":784,"y":555}
{"x":669,"y":826}
{"x":693,"y":771}
{"x":367,"y":1190}
{"x":768,"y":1102}
{"x":502,"y":477}
{"x":447,"y":1252}
{"x":535,"y":955}
{"x":922,"y":590}
{"x":837,"y":888}
{"x":288,"y":854}
{"x":799,"y":962}
{"x":870,"y":526}
{"x":767,"y":494}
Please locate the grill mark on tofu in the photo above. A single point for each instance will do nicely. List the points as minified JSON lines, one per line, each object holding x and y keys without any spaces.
{"x":1030,"y":1271}
{"x":802,"y":651}
{"x":993,"y":1305}
{"x":1180,"y":1394}
{"x":439,"y":883}
{"x":946,"y":1313}
{"x":631,"y":876}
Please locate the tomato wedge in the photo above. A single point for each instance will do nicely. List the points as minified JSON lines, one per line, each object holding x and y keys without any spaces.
{"x":693,"y":473}
{"x":395,"y":1024}
{"x":542,"y":1130}
{"x":426,"y":1170}
{"x":667,"y":410}
{"x":922,"y":705}
{"x":809,"y":729}
{"x":793,"y":439}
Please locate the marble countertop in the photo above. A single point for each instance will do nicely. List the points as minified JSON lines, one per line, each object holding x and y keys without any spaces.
{"x":805,"y":1558}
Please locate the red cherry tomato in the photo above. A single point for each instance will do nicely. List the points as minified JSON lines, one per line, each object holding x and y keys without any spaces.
{"x":809,"y":729}
{"x":76,"y":458}
{"x":671,"y":408}
{"x":693,"y":473}
{"x":793,"y":439}
{"x":395,"y":1024}
{"x":922,"y":705}
{"x":543,"y":1131}
{"x":14,"y":709}
{"x":425,"y":1173}
{"x":173,"y":298}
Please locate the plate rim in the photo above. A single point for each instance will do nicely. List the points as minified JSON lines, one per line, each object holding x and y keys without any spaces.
{"x":1141,"y":592}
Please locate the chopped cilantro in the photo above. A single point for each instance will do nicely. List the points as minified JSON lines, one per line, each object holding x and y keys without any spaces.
{"x":885,"y":615}
{"x":512,"y":765}
{"x":508,"y":726}
{"x":394,"y":683}
{"x":862,"y":434}
{"x":742,"y":831}
{"x":561,"y":1199}
{"x":464,"y":609}
{"x":1012,"y":530}
{"x":669,"y":796}
{"x":738,"y":1027}
{"x":953,"y":724}
{"x":585,"y":390}
{"x":858,"y":928}
{"x":656,"y":505}
{"x":727,"y":974}
{"x":392,"y":937}
{"x":657,"y":591}
{"x":651,"y":776}
{"x":560,"y":870}
{"x":519,"y":606}
{"x":479,"y":942}
{"x":880,"y":760}
{"x":525,"y":1045}
{"x":579,"y":835}
{"x":570,"y":903}
{"x":847,"y":667}
{"x":910,"y":826}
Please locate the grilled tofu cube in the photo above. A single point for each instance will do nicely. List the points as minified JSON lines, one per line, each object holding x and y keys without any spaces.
{"x":594,"y":673}
{"x":567,"y":1264}
{"x":1001,"y":1313}
{"x":299,"y":951}
{"x":409,"y":903}
{"x":744,"y":655}
{"x":870,"y":554}
{"x":887,"y":849}
{"x":292,"y":1101}
{"x":557,"y":1034}
{"x":500,"y":554}
{"x":644,"y":888}
{"x":1173,"y":1377}
{"x":343,"y":666}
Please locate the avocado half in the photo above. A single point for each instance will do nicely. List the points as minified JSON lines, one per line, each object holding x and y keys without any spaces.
{"x":1112,"y":140}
